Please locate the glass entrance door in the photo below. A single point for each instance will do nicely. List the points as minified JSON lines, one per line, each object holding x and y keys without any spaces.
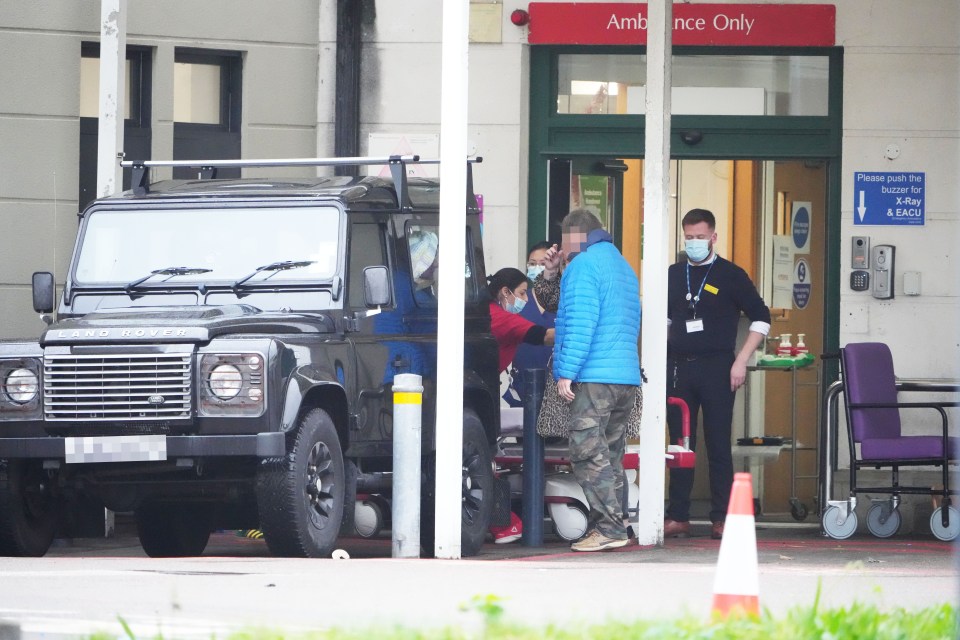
{"x":593,"y":183}
{"x":771,"y":221}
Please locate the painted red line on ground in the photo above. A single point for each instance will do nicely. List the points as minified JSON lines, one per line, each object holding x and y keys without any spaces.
{"x":568,"y":554}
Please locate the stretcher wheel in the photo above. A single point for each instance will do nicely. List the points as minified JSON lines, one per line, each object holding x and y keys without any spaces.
{"x":880,"y":524}
{"x":835,"y":528}
{"x":949,"y":532}
{"x":569,"y":520}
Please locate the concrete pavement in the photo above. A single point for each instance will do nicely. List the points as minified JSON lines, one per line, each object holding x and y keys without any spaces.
{"x":83,"y":586}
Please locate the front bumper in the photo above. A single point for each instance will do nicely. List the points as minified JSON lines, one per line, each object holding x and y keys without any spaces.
{"x":260,"y":445}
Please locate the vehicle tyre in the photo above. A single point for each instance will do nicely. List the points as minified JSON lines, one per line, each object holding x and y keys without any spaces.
{"x":28,"y":509}
{"x":300,"y":499}
{"x":172,"y":530}
{"x":478,"y":493}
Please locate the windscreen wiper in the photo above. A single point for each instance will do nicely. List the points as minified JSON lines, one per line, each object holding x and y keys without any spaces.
{"x":275,"y":267}
{"x":169,"y":271}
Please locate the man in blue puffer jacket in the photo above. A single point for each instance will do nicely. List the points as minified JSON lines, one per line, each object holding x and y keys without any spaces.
{"x":597,"y":368}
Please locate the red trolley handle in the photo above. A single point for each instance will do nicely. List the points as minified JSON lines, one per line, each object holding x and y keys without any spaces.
{"x":685,"y":420}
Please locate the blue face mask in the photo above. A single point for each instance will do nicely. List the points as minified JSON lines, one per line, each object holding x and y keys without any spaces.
{"x":535,"y":270}
{"x":517,"y":305}
{"x":697,"y":249}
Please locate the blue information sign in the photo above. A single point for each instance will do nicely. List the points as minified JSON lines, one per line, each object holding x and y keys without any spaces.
{"x":800,"y":226}
{"x":801,"y":284}
{"x":888,"y":198}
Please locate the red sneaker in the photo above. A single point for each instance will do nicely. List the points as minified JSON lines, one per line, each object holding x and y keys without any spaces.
{"x":511,"y":533}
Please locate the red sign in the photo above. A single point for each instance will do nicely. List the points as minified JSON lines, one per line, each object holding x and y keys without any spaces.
{"x":749,"y":25}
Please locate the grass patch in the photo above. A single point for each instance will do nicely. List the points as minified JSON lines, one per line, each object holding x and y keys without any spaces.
{"x":856,"y":622}
{"x":484,"y":619}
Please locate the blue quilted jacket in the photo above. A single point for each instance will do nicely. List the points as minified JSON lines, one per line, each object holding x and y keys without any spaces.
{"x":598,"y":321}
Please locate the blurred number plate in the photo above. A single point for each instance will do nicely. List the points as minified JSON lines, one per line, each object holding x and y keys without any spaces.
{"x":115,"y":449}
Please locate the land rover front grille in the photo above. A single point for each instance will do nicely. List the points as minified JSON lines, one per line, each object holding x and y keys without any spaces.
{"x":124,"y":387}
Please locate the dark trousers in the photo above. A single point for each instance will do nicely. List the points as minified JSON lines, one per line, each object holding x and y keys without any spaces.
{"x":704,"y":383}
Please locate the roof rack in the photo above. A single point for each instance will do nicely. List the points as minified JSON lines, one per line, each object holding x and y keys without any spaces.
{"x":140,"y":178}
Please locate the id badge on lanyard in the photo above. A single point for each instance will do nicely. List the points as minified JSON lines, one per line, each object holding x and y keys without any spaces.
{"x":696,"y":324}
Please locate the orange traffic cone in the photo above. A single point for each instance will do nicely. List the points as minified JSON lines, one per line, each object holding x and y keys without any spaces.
{"x":736,"y":587}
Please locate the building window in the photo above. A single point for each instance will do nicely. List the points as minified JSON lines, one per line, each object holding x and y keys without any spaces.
{"x":206,"y":108}
{"x":206,"y":88}
{"x":196,"y":93}
{"x":90,"y":88}
{"x":735,"y":85}
{"x":136,"y":83}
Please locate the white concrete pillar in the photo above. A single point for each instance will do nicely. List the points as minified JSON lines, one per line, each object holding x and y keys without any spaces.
{"x":453,"y":199}
{"x":113,"y":57}
{"x":656,"y":240}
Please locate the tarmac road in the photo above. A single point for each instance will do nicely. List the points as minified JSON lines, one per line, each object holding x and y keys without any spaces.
{"x":83,"y":586}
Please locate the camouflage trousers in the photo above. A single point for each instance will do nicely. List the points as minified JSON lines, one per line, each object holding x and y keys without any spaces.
{"x":598,"y":424}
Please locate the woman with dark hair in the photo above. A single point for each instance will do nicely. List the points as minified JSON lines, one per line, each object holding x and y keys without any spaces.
{"x":529,"y":356}
{"x":508,"y":293}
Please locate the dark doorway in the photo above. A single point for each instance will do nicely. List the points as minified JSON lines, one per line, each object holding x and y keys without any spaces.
{"x":137,"y":134}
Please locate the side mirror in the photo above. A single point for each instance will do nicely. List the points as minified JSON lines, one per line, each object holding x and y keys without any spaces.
{"x":44,"y":291}
{"x":376,"y":286}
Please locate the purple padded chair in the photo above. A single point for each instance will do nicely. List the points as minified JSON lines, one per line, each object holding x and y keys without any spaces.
{"x":873,"y":422}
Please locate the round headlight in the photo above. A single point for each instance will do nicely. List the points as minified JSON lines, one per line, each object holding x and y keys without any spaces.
{"x":225,"y":381}
{"x":22,"y":385}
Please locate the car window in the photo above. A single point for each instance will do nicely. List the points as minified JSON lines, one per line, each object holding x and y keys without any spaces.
{"x":366,"y":250}
{"x":423,"y":243}
{"x":245,"y":239}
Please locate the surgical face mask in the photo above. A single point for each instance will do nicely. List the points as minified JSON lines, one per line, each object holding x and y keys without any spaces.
{"x":534,"y":270}
{"x":517,"y":305}
{"x":697,"y":249}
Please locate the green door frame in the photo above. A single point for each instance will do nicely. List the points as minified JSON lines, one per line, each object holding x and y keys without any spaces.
{"x":558,"y":135}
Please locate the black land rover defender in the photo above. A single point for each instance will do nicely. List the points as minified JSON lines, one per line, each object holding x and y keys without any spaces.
{"x":222,"y":358}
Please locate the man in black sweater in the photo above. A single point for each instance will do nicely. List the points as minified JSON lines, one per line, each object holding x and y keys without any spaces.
{"x":705,"y":296}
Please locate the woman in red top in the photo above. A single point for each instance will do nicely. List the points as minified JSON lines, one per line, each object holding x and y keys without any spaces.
{"x":508,"y":288}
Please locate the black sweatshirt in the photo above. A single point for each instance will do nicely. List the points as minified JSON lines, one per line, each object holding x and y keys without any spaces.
{"x":726,"y":293}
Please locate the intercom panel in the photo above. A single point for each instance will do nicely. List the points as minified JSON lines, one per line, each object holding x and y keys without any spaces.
{"x":860,"y":252}
{"x":883,"y":258}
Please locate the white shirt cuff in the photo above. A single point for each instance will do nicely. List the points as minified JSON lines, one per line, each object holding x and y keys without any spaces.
{"x":760,"y":327}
